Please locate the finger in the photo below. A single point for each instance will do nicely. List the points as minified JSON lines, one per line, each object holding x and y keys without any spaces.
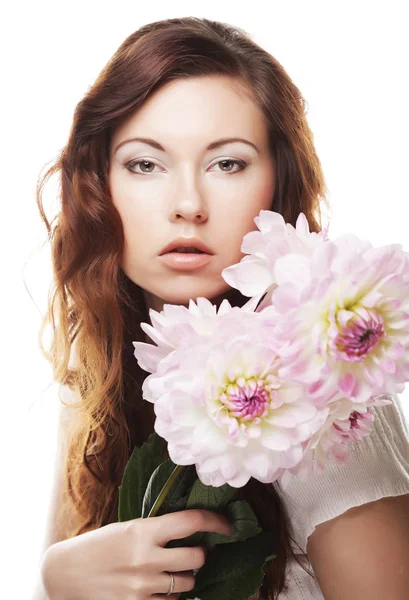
{"x":186,"y":522}
{"x":184,"y":582}
{"x":180,"y":559}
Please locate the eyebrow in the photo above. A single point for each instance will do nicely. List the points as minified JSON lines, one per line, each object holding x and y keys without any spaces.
{"x":215,"y":144}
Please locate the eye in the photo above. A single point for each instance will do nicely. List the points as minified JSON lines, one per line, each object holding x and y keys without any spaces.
{"x":143,"y":162}
{"x":225,"y":161}
{"x":148,"y":164}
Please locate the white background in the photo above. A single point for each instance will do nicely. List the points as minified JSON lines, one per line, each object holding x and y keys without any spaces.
{"x":348,"y":58}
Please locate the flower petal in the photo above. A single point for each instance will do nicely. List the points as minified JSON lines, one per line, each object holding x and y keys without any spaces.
{"x":275,"y":439}
{"x":250,"y":277}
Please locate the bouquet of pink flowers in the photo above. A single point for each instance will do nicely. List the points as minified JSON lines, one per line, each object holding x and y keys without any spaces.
{"x":258,"y":391}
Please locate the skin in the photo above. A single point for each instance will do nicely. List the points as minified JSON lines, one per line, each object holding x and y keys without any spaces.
{"x":363,"y":554}
{"x":186,"y":190}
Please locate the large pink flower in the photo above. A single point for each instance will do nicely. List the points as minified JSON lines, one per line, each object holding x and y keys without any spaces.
{"x":220,"y":404}
{"x":343,"y":319}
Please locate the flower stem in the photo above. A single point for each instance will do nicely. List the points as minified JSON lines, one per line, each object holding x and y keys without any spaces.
{"x":164,"y":491}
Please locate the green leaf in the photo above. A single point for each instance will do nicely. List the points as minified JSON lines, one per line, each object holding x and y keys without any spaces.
{"x":240,"y":514}
{"x":209,"y":497}
{"x":177,"y":496}
{"x":243,"y":521}
{"x":235,"y":573}
{"x":138,"y":470}
{"x":244,"y":525}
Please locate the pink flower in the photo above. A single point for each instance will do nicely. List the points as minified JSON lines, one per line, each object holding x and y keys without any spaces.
{"x":344,"y":423}
{"x":220,"y":404}
{"x":343,"y":325}
{"x":341,"y":307}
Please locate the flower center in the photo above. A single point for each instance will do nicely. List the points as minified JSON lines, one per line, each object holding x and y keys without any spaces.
{"x":360,"y":336}
{"x":355,"y":425}
{"x":246,"y":399}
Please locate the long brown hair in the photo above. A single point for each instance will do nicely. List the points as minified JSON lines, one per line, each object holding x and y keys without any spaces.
{"x":96,"y":306}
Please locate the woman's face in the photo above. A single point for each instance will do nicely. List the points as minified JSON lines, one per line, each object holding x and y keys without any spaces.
{"x":185,"y":189}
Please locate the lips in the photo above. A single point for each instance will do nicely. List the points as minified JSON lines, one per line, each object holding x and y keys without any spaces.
{"x":187,"y":250}
{"x":184,"y":242}
{"x":186,"y":261}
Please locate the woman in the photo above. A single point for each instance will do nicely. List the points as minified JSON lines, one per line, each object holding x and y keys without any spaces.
{"x":185,"y":88}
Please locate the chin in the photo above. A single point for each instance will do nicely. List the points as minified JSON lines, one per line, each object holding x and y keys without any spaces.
{"x":212,"y":295}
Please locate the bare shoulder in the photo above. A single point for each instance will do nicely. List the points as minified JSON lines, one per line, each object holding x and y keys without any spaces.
{"x":365,"y":549}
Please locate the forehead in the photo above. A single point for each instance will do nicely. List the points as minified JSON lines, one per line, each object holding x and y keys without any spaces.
{"x":196,"y":110}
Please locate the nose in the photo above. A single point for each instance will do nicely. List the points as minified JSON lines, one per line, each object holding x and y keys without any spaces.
{"x":189,"y":202}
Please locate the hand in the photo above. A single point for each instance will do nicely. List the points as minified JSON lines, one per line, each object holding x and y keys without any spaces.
{"x":128,"y":560}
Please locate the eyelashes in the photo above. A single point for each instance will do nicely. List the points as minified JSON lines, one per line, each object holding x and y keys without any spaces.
{"x":133,"y":163}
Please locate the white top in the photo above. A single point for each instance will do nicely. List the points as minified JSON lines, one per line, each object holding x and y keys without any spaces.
{"x":378,"y":466}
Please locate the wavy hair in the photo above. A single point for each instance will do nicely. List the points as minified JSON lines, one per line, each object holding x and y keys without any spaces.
{"x":94,"y":307}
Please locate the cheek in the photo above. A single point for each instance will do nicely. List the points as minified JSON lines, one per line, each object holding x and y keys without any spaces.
{"x":139,"y":233}
{"x":241,"y":210}
{"x":138,"y":213}
{"x":255,"y":192}
{"x":252,"y":197}
{"x":263,"y":188}
{"x":138,"y":219}
{"x":137,"y":224}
